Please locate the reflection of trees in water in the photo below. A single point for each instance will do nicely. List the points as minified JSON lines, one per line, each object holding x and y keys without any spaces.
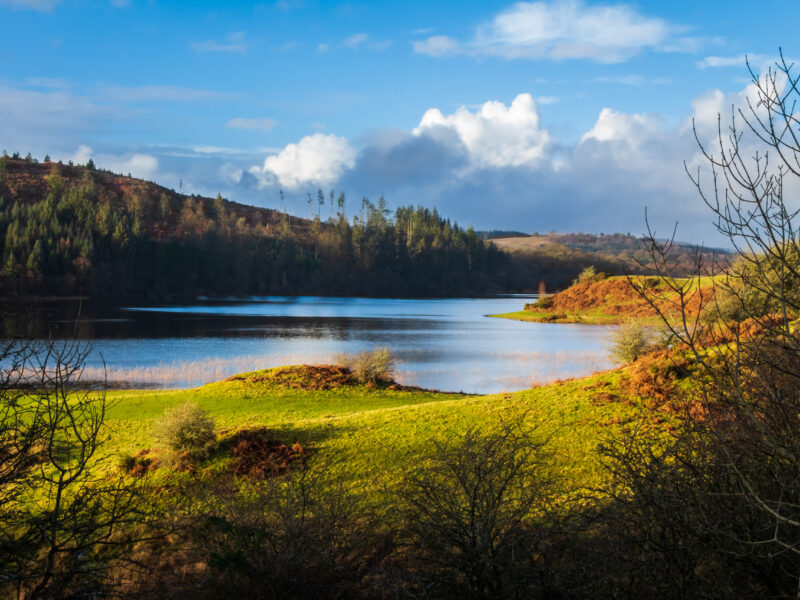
{"x":103,"y":321}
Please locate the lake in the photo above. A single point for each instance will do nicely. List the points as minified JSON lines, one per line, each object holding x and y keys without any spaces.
{"x":447,"y":344}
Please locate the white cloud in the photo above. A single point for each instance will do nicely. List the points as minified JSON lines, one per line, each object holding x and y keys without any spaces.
{"x":355,"y":40}
{"x":323,"y":48}
{"x":317,"y":159}
{"x":252,"y":124}
{"x":436,"y":45}
{"x":613,"y":126}
{"x":714,"y":62}
{"x":143,"y":166}
{"x":44,"y":6}
{"x":236,"y":42}
{"x":496,"y":135}
{"x":216,"y":150}
{"x":81,"y":155}
{"x":565,"y":29}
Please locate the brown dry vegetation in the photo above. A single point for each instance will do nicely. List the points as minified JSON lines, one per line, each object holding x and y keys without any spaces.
{"x":256,"y":454}
{"x":616,"y":299}
{"x":301,"y":377}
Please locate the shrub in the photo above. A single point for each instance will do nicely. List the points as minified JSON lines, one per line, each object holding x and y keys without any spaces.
{"x":631,"y":341}
{"x":589,"y":275}
{"x":470,"y":514}
{"x":543,"y":302}
{"x":185,"y":431}
{"x":370,"y":366}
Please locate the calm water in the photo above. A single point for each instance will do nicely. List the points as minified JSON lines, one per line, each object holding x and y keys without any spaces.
{"x":447,"y":344}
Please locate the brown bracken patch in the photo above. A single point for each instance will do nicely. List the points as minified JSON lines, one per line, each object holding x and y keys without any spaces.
{"x":143,"y":463}
{"x":256,"y":454}
{"x":616,"y":296}
{"x":302,"y":377}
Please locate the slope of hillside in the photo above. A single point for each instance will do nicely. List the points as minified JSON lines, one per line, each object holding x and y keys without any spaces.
{"x":611,"y":300}
{"x":535,"y":256}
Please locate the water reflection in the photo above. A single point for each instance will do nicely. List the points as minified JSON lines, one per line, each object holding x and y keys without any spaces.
{"x":446,"y":344}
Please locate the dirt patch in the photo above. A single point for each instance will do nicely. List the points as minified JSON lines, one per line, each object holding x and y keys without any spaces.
{"x":256,"y":454}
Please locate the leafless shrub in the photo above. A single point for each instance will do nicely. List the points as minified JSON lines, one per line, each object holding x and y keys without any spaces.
{"x":472,"y":511}
{"x":370,"y":366}
{"x":64,"y":521}
{"x":728,"y":486}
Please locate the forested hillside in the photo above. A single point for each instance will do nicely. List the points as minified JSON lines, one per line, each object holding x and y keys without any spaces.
{"x":76,"y":230}
{"x":557,"y":258}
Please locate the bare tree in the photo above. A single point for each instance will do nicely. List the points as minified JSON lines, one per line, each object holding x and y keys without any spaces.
{"x":64,"y":518}
{"x":472,"y":513}
{"x":742,"y":449}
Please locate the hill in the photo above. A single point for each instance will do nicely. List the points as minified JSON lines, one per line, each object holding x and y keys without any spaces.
{"x":73,"y":230}
{"x":69,"y":229}
{"x":557,"y":258}
{"x":611,"y":300}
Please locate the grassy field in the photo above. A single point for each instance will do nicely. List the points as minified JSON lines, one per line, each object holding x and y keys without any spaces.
{"x":377,"y":435}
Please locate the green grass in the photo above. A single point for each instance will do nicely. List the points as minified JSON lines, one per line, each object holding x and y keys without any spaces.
{"x":377,"y":435}
{"x":587,"y":318}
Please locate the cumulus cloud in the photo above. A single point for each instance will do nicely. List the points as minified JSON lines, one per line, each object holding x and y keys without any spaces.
{"x":498,"y":166}
{"x":496,"y":135}
{"x":144,"y":166}
{"x":252,"y":124}
{"x":613,"y":126}
{"x":81,"y":155}
{"x":317,"y":159}
{"x":565,"y":29}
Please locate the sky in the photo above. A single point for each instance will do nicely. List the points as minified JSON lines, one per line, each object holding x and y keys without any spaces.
{"x":564,"y":115}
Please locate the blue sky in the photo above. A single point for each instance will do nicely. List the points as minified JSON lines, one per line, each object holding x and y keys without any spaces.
{"x":563,"y":114}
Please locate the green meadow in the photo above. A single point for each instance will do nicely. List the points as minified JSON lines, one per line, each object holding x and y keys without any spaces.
{"x":376,"y":435}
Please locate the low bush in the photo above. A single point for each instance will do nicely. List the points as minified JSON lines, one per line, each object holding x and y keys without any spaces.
{"x":185,"y":431}
{"x":543,"y":302}
{"x":590,"y":275}
{"x":371,"y":366}
{"x":632,"y":340}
